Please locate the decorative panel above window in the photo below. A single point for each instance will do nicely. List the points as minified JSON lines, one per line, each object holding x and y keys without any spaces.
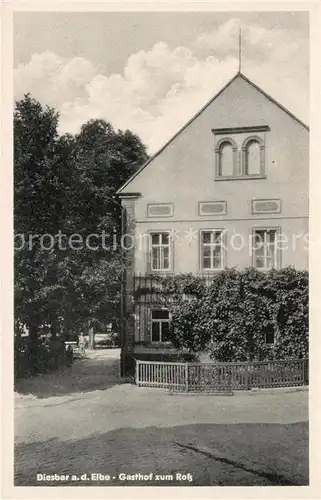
{"x":160,"y":210}
{"x":266,"y":206}
{"x":212,"y":208}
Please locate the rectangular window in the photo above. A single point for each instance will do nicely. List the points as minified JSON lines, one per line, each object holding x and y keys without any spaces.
{"x":212,"y":249}
{"x":160,"y":325}
{"x":264,"y":249}
{"x":160,"y":251}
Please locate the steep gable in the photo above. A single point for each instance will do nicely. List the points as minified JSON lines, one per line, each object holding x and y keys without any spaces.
{"x":239,"y":103}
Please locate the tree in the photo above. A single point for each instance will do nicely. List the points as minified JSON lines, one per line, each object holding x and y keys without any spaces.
{"x":65,"y":186}
{"x":36,"y":186}
{"x":103,"y":159}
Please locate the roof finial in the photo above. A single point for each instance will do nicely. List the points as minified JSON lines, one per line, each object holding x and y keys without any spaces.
{"x":240,"y":49}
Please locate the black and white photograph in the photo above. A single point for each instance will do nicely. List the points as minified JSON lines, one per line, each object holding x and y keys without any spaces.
{"x":161,"y":170}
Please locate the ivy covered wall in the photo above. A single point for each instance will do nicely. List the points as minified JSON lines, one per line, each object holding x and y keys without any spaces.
{"x":241,"y":315}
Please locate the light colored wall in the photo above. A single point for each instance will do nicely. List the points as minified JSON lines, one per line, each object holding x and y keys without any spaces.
{"x":186,"y":251}
{"x":184,"y":174}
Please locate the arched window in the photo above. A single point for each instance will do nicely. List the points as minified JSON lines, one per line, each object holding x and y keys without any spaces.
{"x":226,"y":159}
{"x":253,"y":156}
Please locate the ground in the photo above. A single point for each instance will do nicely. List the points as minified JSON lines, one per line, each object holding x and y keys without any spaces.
{"x":83,"y":420}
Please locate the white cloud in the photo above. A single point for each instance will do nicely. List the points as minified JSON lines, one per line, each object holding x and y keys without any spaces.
{"x":160,"y":89}
{"x":52,"y":79}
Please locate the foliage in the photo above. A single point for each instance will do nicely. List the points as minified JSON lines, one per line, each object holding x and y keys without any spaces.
{"x":231,"y":317}
{"x":67,"y":184}
{"x":38,"y":357}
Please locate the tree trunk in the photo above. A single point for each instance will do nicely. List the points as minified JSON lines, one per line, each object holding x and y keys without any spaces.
{"x":53,"y":330}
{"x":33,"y":332}
{"x":91,"y":338}
{"x":33,"y":361}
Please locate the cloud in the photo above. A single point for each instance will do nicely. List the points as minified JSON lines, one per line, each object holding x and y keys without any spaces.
{"x":52,"y":79}
{"x":161,"y":88}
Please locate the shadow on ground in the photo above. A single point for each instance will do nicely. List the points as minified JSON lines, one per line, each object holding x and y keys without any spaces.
{"x":96,"y":372}
{"x":214,"y":454}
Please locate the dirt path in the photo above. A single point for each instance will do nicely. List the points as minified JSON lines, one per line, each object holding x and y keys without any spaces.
{"x":98,"y":371}
{"x":119,"y":428}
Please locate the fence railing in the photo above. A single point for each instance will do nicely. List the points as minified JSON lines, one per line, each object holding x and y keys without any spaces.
{"x":218,"y":377}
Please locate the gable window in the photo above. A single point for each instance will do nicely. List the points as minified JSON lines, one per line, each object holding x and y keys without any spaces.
{"x":226,"y":159}
{"x":240,"y":152}
{"x":212,"y":250}
{"x":253,"y":158}
{"x":226,"y":155}
{"x":160,"y":251}
{"x":265,"y":253}
{"x":160,"y":325}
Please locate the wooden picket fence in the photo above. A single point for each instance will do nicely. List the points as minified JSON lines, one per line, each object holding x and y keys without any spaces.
{"x":221,"y":377}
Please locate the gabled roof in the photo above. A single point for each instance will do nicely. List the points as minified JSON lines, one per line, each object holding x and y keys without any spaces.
{"x":238,"y":75}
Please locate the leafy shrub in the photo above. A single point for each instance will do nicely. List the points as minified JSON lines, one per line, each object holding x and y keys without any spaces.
{"x":36,"y":357}
{"x":232,"y":317}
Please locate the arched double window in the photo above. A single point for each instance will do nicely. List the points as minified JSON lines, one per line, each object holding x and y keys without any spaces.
{"x":240,"y":158}
{"x":226,"y":155}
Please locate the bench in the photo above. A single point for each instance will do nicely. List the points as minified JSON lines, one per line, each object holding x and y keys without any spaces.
{"x":78,"y":351}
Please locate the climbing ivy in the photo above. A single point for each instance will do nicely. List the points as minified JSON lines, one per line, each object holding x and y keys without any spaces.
{"x":232,"y":317}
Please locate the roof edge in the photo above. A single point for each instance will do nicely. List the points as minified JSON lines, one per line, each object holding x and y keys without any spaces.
{"x":178,"y":133}
{"x":238,"y":74}
{"x":274,"y":101}
{"x":128,"y":195}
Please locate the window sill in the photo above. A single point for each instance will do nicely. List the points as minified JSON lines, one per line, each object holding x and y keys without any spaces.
{"x":156,"y":349}
{"x":266,"y":270}
{"x":160,"y":271}
{"x":206,"y":272}
{"x":160,"y":343}
{"x":239,"y":177}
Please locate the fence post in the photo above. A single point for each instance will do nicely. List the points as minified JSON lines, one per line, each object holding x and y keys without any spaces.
{"x":137,"y":372}
{"x":305,"y":372}
{"x":186,"y":377}
{"x":247,"y":385}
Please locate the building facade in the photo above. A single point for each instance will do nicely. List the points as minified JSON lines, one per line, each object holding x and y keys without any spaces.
{"x":230,"y":189}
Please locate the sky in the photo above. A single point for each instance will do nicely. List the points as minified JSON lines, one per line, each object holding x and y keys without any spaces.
{"x":151,"y":72}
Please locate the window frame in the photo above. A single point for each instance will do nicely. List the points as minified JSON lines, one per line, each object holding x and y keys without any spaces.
{"x":170,"y":251}
{"x":211,"y":245}
{"x":244,"y":157}
{"x":218,"y":148}
{"x":160,"y":321}
{"x":277,"y":253}
{"x":269,"y":344}
{"x":222,"y":135}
